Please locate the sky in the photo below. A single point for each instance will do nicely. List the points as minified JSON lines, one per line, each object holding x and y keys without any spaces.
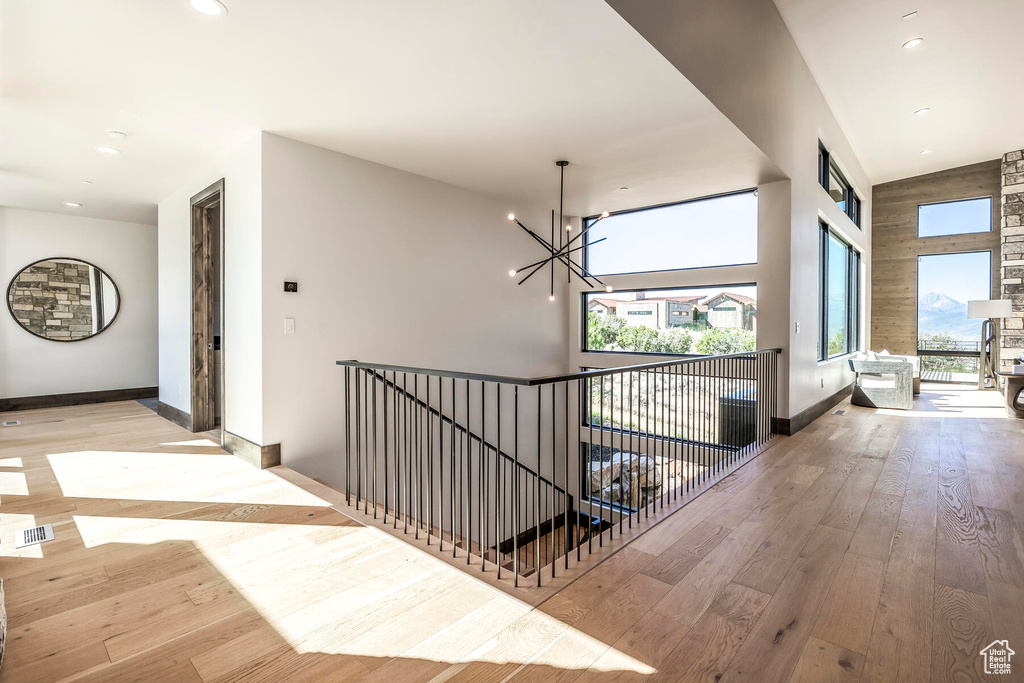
{"x":711,"y":232}
{"x":961,"y":276}
{"x":954,"y":218}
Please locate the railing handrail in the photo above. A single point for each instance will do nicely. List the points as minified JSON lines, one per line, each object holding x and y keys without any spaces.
{"x":549,"y":379}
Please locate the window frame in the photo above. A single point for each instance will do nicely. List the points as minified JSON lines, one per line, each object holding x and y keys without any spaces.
{"x":827,"y":166}
{"x":584,"y":322}
{"x":853,"y":294}
{"x":990,"y":199}
{"x":587,"y":221}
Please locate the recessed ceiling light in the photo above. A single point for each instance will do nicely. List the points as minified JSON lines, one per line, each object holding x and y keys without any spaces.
{"x":926,"y":151}
{"x":117,"y":134}
{"x":623,"y":188}
{"x":908,"y":17}
{"x":75,"y":205}
{"x":210,"y":8}
{"x":912,"y":43}
{"x":922,"y":111}
{"x":87,"y":182}
{"x":108,"y":150}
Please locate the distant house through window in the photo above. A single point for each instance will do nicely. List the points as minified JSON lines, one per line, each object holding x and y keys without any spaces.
{"x":694,"y":320}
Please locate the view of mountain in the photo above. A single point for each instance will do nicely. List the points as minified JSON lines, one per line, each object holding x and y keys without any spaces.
{"x":941,"y":314}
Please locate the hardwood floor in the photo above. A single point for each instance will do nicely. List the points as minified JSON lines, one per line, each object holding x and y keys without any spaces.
{"x":874,"y":545}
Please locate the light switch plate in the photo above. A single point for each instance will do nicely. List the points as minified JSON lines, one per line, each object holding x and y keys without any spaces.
{"x":289,"y":325}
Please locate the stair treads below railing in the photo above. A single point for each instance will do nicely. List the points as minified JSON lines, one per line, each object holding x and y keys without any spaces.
{"x":521,"y":474}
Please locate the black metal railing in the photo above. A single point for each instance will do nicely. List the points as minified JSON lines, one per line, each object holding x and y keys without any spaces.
{"x":521,"y":474}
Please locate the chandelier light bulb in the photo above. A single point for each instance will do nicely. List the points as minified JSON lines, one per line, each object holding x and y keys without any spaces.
{"x":568,"y":228}
{"x":512,"y":273}
{"x":608,"y":288}
{"x":605,"y":214}
{"x":551,"y":298}
{"x":511,"y":216}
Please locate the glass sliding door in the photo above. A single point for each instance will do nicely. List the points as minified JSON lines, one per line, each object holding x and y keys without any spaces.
{"x":949,"y":342}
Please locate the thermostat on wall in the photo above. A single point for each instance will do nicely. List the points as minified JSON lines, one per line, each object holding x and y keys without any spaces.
{"x":291,"y":286}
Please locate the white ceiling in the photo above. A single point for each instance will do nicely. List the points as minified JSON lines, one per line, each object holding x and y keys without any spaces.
{"x":484,"y":95}
{"x":966,"y":71}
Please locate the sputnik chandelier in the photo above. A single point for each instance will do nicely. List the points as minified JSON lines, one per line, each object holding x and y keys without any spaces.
{"x":562,"y":252}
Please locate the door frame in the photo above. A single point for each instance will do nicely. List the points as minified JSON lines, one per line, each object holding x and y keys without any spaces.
{"x":201,"y":343}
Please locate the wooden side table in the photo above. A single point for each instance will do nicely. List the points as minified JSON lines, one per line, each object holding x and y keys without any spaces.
{"x":1014,"y":394}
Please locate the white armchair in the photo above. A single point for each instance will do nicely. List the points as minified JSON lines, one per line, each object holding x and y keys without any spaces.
{"x":885,"y":383}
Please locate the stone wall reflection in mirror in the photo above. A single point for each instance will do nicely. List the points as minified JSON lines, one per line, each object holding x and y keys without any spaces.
{"x":63,"y":299}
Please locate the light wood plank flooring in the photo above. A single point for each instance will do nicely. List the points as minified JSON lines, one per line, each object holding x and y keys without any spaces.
{"x":875,"y":545}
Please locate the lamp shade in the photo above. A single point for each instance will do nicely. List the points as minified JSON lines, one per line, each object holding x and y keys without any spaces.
{"x":990,"y":308}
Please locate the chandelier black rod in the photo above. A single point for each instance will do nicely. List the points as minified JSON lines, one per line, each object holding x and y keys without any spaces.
{"x":545,"y":260}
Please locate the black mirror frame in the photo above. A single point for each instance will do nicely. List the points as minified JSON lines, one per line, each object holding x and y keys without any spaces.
{"x":10,"y":308}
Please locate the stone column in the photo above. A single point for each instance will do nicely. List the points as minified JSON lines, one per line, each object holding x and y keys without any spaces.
{"x":1012,"y":264}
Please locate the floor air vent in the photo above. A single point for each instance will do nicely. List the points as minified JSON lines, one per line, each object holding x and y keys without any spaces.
{"x":12,"y":423}
{"x":37,"y":534}
{"x":839,"y":412}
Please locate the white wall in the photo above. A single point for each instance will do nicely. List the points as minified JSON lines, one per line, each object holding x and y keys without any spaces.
{"x":394,"y":268}
{"x":121,"y":357}
{"x":740,"y":54}
{"x":242,"y":324}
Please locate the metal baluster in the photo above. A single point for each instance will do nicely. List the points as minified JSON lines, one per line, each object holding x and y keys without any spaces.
{"x":359,"y":443}
{"x":397,"y":449}
{"x":365,"y":483}
{"x":677,"y":428}
{"x":467,"y":479}
{"x":482,"y":491}
{"x":565,"y":478}
{"x":515,"y":490}
{"x":430,"y":463}
{"x":348,"y":436}
{"x":374,"y":394}
{"x":600,"y":450}
{"x":647,"y":436}
{"x":650,"y":470}
{"x":663,"y":432}
{"x":451,"y":473}
{"x":554,"y":478}
{"x":622,"y":447}
{"x":589,"y":463}
{"x":498,"y":481}
{"x":536,"y":491}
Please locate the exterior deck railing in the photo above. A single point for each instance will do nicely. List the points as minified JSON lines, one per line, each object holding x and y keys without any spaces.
{"x":520,"y":474}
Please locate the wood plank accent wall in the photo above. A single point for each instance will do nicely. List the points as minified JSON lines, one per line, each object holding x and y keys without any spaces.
{"x":895,"y":245}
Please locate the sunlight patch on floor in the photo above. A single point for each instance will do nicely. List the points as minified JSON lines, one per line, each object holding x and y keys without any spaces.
{"x":349,"y":590}
{"x":953,"y":402}
{"x":193,"y":442}
{"x":173,"y":477}
{"x":13,"y":484}
{"x":11,"y":462}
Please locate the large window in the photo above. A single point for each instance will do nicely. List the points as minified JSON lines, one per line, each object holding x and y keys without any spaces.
{"x":835,"y":183}
{"x":695,"y":320}
{"x":955,"y":218}
{"x":839,"y":296}
{"x":716,"y":231}
{"x":948,"y":342}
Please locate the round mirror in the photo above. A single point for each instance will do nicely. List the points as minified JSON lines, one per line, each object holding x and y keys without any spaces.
{"x":63,"y":299}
